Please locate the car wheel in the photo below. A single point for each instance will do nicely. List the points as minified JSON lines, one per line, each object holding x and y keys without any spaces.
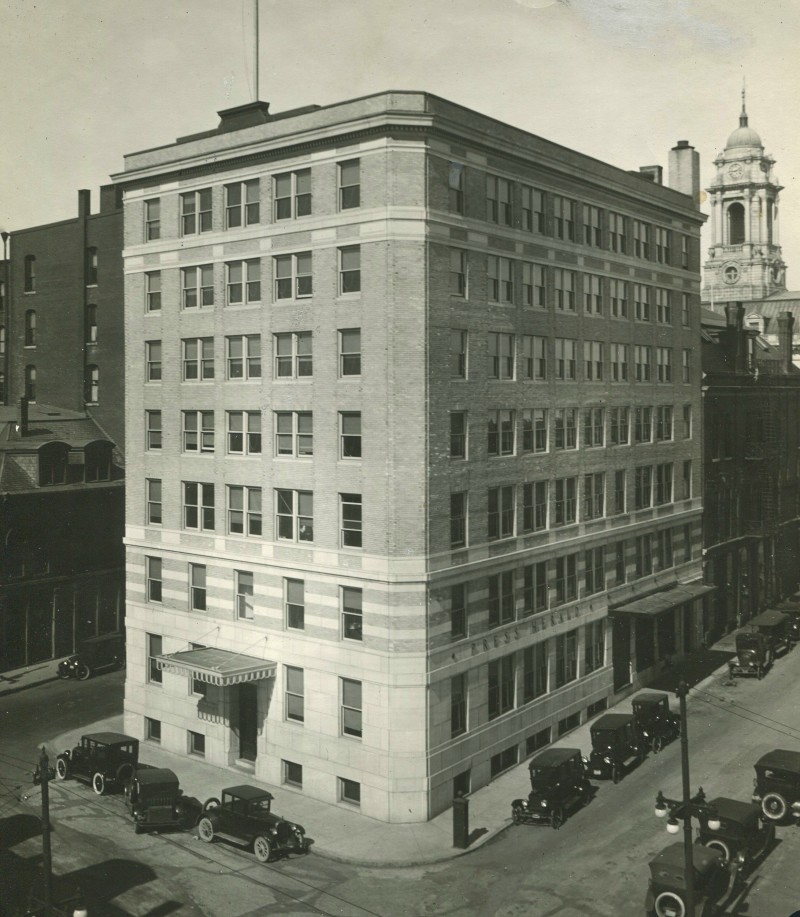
{"x":586,"y":795}
{"x":205,"y":830}
{"x":137,"y":828}
{"x":717,"y":844}
{"x":99,"y":783}
{"x":773,"y":805}
{"x":760,"y":672}
{"x":516,"y":815}
{"x":668,"y":904}
{"x":62,"y":771}
{"x":262,"y":849}
{"x":658,"y":744}
{"x":210,"y":804}
{"x":83,"y":672}
{"x":124,"y":774}
{"x":557,"y":817}
{"x":766,"y":842}
{"x":616,"y":776}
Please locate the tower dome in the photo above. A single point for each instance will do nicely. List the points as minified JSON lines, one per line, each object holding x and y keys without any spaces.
{"x":744,"y":135}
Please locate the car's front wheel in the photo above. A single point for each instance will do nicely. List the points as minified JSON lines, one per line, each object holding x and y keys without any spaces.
{"x":205,"y":830}
{"x":99,"y":783}
{"x":616,"y":776}
{"x":773,"y":805}
{"x":668,"y":904}
{"x":84,"y":672}
{"x":717,"y":844}
{"x":262,"y":849}
{"x":516,"y":815}
{"x":62,"y":771}
{"x":658,"y":744}
{"x":210,"y":804}
{"x":557,"y":817}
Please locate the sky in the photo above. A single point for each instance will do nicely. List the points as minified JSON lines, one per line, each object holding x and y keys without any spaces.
{"x":85,"y":81}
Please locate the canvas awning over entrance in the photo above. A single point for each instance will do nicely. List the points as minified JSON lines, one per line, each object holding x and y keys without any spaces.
{"x":217,"y":667}
{"x":658,"y":602}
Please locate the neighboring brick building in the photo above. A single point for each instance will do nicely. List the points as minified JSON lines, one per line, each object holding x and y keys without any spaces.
{"x":413,"y":403}
{"x":751,"y":473}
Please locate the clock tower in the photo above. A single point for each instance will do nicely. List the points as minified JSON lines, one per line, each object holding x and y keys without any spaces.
{"x":744,"y":260}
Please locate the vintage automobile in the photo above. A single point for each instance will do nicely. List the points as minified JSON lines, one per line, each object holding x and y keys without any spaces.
{"x":777,"y":784}
{"x":791,"y":608}
{"x":558,"y":786}
{"x":743,"y":837}
{"x":666,"y":894}
{"x":774,"y":625}
{"x":754,"y":655}
{"x":616,"y":746}
{"x":155,"y":800}
{"x":94,"y":654}
{"x":656,"y":723}
{"x":245,"y":817}
{"x":102,"y":759}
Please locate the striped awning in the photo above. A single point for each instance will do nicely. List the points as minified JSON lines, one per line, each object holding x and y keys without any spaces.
{"x":657,"y":602}
{"x":217,"y":667}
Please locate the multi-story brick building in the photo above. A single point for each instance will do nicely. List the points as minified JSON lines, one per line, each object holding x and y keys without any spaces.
{"x":413,"y":413}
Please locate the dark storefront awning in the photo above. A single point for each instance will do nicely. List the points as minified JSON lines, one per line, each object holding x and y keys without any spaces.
{"x":217,"y":667}
{"x":658,"y":602}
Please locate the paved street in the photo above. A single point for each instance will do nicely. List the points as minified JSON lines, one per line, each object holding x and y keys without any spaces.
{"x":595,"y":866}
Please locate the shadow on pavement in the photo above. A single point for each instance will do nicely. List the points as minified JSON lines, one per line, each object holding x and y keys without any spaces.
{"x":691,"y":669}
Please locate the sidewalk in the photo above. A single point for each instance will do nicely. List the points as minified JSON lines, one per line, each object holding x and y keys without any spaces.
{"x":342,"y":834}
{"x":20,"y":679}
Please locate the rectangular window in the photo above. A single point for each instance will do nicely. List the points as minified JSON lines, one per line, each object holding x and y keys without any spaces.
{"x":244,"y":510}
{"x":498,"y":200}
{"x":662,"y":245}
{"x":294,"y":700}
{"x":501,"y":355}
{"x":196,"y":212}
{"x":351,"y":707}
{"x":643,"y":362}
{"x":593,"y":427}
{"x":197,"y":587}
{"x":620,"y":488}
{"x":152,"y":286}
{"x":293,"y":276}
{"x":592,"y":294}
{"x":242,"y":203}
{"x":153,"y":501}
{"x":350,"y":435}
{"x":641,"y":239}
{"x":566,"y":658}
{"x":641,"y":302}
{"x":154,"y":648}
{"x":458,"y":705}
{"x":664,"y":364}
{"x":243,"y":281}
{"x":663,"y":422}
{"x":502,"y":607}
{"x":500,"y":520}
{"x":540,"y":427}
{"x":294,"y":603}
{"x":685,"y":310}
{"x":197,"y":286}
{"x":566,"y":579}
{"x":152,"y":430}
{"x":642,"y":425}
{"x":500,"y":274}
{"x":293,"y":355}
{"x":352,"y":613}
{"x":565,"y":428}
{"x":663,"y":307}
{"x":619,"y":362}
{"x":533,"y":218}
{"x":198,"y":431}
{"x":292,"y":194}
{"x":687,"y":479}
{"x":565,"y":505}
{"x":350,"y":352}
{"x":686,"y":365}
{"x":594,"y":571}
{"x":458,"y":272}
{"x":152,"y":219}
{"x":534,"y":506}
{"x":153,"y":578}
{"x":591,"y":226}
{"x":593,"y":361}
{"x":455,"y":187}
{"x":620,"y":567}
{"x":349,"y":791}
{"x":351,"y":520}
{"x":566,"y":359}
{"x":294,"y":433}
{"x":458,"y":434}
{"x":687,"y":421}
{"x":618,"y":426}
{"x":458,"y":354}
{"x":564,"y":218}
{"x":294,"y":515}
{"x":526,"y":433}
{"x":458,"y":519}
{"x":152,"y":361}
{"x":198,"y":506}
{"x":534,"y":672}
{"x":685,"y":253}
{"x":91,"y":267}
{"x":594,"y":646}
{"x":664,"y":552}
{"x":594,"y":495}
{"x":501,"y":686}
{"x":500,"y":431}
{"x":458,"y":610}
{"x":152,"y":729}
{"x":350,"y":269}
{"x":244,"y":432}
{"x":644,"y":555}
{"x":564,"y":288}
{"x":349,"y":184}
{"x":617,"y":235}
{"x":643,"y":487}
{"x":663,"y":483}
{"x":618,"y":294}
{"x":198,"y":359}
{"x":535,"y":588}
{"x":293,"y":774}
{"x":244,"y":594}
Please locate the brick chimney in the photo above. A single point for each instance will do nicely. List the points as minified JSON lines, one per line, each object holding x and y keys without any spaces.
{"x":23,"y":417}
{"x":785,"y":336}
{"x":734,"y":339}
{"x":684,"y":170}
{"x":84,"y":203}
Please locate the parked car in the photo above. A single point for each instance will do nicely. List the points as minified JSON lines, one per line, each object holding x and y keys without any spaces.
{"x":94,"y":654}
{"x":774,"y":625}
{"x":245,"y":817}
{"x":616,"y":746}
{"x":666,"y":893}
{"x":656,"y":723}
{"x":743,"y":836}
{"x":791,"y":608}
{"x":777,"y":784}
{"x":102,"y":759}
{"x":754,"y":655}
{"x":155,"y":800}
{"x":558,"y":786}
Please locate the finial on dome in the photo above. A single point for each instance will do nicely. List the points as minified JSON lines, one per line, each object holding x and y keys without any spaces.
{"x":743,"y":115}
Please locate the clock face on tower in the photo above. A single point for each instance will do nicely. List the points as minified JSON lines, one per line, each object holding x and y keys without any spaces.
{"x":730,"y":273}
{"x":735,"y":170}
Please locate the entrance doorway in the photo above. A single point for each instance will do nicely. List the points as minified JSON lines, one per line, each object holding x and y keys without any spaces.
{"x":248,"y":721}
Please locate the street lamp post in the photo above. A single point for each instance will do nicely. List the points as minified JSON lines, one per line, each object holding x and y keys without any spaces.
{"x":686,"y":807}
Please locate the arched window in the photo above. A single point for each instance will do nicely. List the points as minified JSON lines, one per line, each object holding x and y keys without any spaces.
{"x":30,"y":273}
{"x":91,"y":385}
{"x":735,"y":224}
{"x":98,"y":461}
{"x":30,"y":383}
{"x":53,"y":464}
{"x":30,"y":328}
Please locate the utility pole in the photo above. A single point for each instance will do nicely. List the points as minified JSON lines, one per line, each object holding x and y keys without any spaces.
{"x":42,"y":775}
{"x":255,"y":56}
{"x":688,"y":839}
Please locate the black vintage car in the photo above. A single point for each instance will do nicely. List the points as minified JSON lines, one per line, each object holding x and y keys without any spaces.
{"x":155,"y":800}
{"x":754,"y":655}
{"x":656,"y":723}
{"x":791,"y":608}
{"x":94,"y":655}
{"x":743,"y":837}
{"x":558,"y":786}
{"x":777,"y":784}
{"x":245,"y":817}
{"x":666,"y":894}
{"x":774,"y":625}
{"x":102,"y":759}
{"x":616,"y":746}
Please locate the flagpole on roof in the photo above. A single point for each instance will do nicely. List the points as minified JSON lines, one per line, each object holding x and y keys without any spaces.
{"x":255,"y":56}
